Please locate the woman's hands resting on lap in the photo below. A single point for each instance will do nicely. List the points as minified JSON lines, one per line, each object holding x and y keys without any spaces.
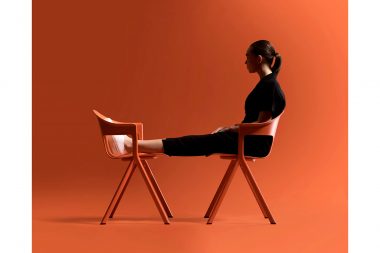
{"x":227,"y":128}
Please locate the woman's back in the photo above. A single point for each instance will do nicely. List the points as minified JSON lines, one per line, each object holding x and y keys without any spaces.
{"x":266,"y":96}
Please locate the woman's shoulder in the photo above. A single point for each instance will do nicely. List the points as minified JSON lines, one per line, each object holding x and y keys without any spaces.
{"x":274,"y":83}
{"x":268,"y":83}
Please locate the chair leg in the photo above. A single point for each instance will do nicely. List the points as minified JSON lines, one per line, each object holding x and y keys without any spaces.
{"x":124,"y":180}
{"x":259,"y":202}
{"x":122,"y":192}
{"x":219,"y":200}
{"x":256,"y":191}
{"x":153,"y":192}
{"x":157,"y":188}
{"x":220,"y":188}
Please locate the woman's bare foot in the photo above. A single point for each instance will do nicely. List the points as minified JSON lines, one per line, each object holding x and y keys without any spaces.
{"x":144,"y":146}
{"x":119,"y":143}
{"x":128,"y":144}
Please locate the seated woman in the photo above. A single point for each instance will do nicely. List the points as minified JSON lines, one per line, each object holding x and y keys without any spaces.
{"x":264,"y":102}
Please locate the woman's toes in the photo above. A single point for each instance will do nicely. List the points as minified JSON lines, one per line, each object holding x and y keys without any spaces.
{"x":119,"y":140}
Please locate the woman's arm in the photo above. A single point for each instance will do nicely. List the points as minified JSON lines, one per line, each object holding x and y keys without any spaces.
{"x":263,"y":116}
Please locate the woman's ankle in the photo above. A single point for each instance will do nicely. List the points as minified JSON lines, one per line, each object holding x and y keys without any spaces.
{"x":128,"y":144}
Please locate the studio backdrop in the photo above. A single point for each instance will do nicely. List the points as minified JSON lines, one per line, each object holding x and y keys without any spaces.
{"x":179,"y":68}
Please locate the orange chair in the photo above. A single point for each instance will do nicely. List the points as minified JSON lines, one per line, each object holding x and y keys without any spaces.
{"x":108,"y":128}
{"x":264,"y":128}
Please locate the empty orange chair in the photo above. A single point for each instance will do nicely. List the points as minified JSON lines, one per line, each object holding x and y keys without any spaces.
{"x":264,"y":128}
{"x":109,"y":128}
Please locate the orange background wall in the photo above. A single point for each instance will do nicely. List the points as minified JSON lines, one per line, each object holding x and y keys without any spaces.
{"x":178,"y":67}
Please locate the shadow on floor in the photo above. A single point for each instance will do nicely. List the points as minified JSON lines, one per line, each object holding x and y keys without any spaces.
{"x":122,"y":220}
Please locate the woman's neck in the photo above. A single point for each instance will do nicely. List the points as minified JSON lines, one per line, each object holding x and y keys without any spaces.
{"x":264,"y":71}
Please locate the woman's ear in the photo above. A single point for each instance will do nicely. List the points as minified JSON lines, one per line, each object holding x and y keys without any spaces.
{"x":259,"y":59}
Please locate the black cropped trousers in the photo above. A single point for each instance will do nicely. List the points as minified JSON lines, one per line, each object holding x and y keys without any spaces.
{"x":225,"y":142}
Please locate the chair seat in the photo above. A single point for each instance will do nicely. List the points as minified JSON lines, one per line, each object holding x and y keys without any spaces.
{"x":230,"y":157}
{"x":234,"y":156}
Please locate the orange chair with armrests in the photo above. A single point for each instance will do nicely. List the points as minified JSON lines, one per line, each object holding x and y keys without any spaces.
{"x":108,"y":128}
{"x":263,"y":128}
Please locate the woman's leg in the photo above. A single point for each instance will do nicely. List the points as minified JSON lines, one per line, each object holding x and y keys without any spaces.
{"x":199,"y":145}
{"x":206,"y":144}
{"x":188,"y":145}
{"x":145,"y":146}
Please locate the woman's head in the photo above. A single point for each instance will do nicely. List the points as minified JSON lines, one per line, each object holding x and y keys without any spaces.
{"x":262,"y":52}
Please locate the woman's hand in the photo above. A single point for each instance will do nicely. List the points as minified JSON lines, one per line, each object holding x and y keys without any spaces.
{"x":220,"y":129}
{"x":223,"y":129}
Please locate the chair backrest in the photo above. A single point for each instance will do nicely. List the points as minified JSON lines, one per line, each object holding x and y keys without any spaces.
{"x":107,"y":125}
{"x":269,"y":127}
{"x":262,"y":128}
{"x":110,"y":146}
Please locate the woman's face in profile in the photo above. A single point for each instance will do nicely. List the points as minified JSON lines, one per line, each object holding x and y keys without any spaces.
{"x":251,"y":62}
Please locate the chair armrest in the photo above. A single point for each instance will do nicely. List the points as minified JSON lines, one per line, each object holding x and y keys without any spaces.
{"x":112,"y":127}
{"x":140,"y":134}
{"x":109,"y":126}
{"x":116,"y":128}
{"x":256,"y":128}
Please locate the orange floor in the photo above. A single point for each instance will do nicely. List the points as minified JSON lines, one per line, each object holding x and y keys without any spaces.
{"x":67,"y":219}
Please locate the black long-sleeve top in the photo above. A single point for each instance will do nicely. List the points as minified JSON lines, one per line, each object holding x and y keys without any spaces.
{"x":266,"y":96}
